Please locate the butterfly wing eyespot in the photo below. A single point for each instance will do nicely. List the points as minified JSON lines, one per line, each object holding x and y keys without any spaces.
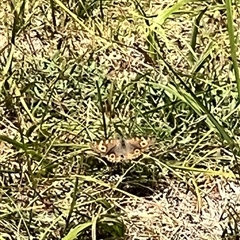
{"x":137,"y":151}
{"x":144,"y":143}
{"x":102,"y":148}
{"x":111,"y":157}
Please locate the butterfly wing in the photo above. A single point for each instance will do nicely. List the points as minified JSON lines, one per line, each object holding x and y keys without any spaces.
{"x":110,"y":149}
{"x":117,"y":150}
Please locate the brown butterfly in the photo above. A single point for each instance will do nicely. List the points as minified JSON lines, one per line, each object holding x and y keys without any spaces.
{"x":117,"y":150}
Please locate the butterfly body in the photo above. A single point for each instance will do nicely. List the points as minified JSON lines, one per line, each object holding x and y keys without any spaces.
{"x":117,"y":150}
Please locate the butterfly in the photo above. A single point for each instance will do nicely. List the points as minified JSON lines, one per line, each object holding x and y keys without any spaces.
{"x":117,"y":150}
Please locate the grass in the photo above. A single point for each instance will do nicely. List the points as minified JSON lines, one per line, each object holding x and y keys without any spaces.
{"x":75,"y":72}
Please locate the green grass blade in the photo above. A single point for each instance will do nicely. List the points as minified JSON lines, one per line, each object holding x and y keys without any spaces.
{"x":232,"y":43}
{"x":73,"y":233}
{"x":195,"y":33}
{"x":102,"y":109}
{"x":167,"y":12}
